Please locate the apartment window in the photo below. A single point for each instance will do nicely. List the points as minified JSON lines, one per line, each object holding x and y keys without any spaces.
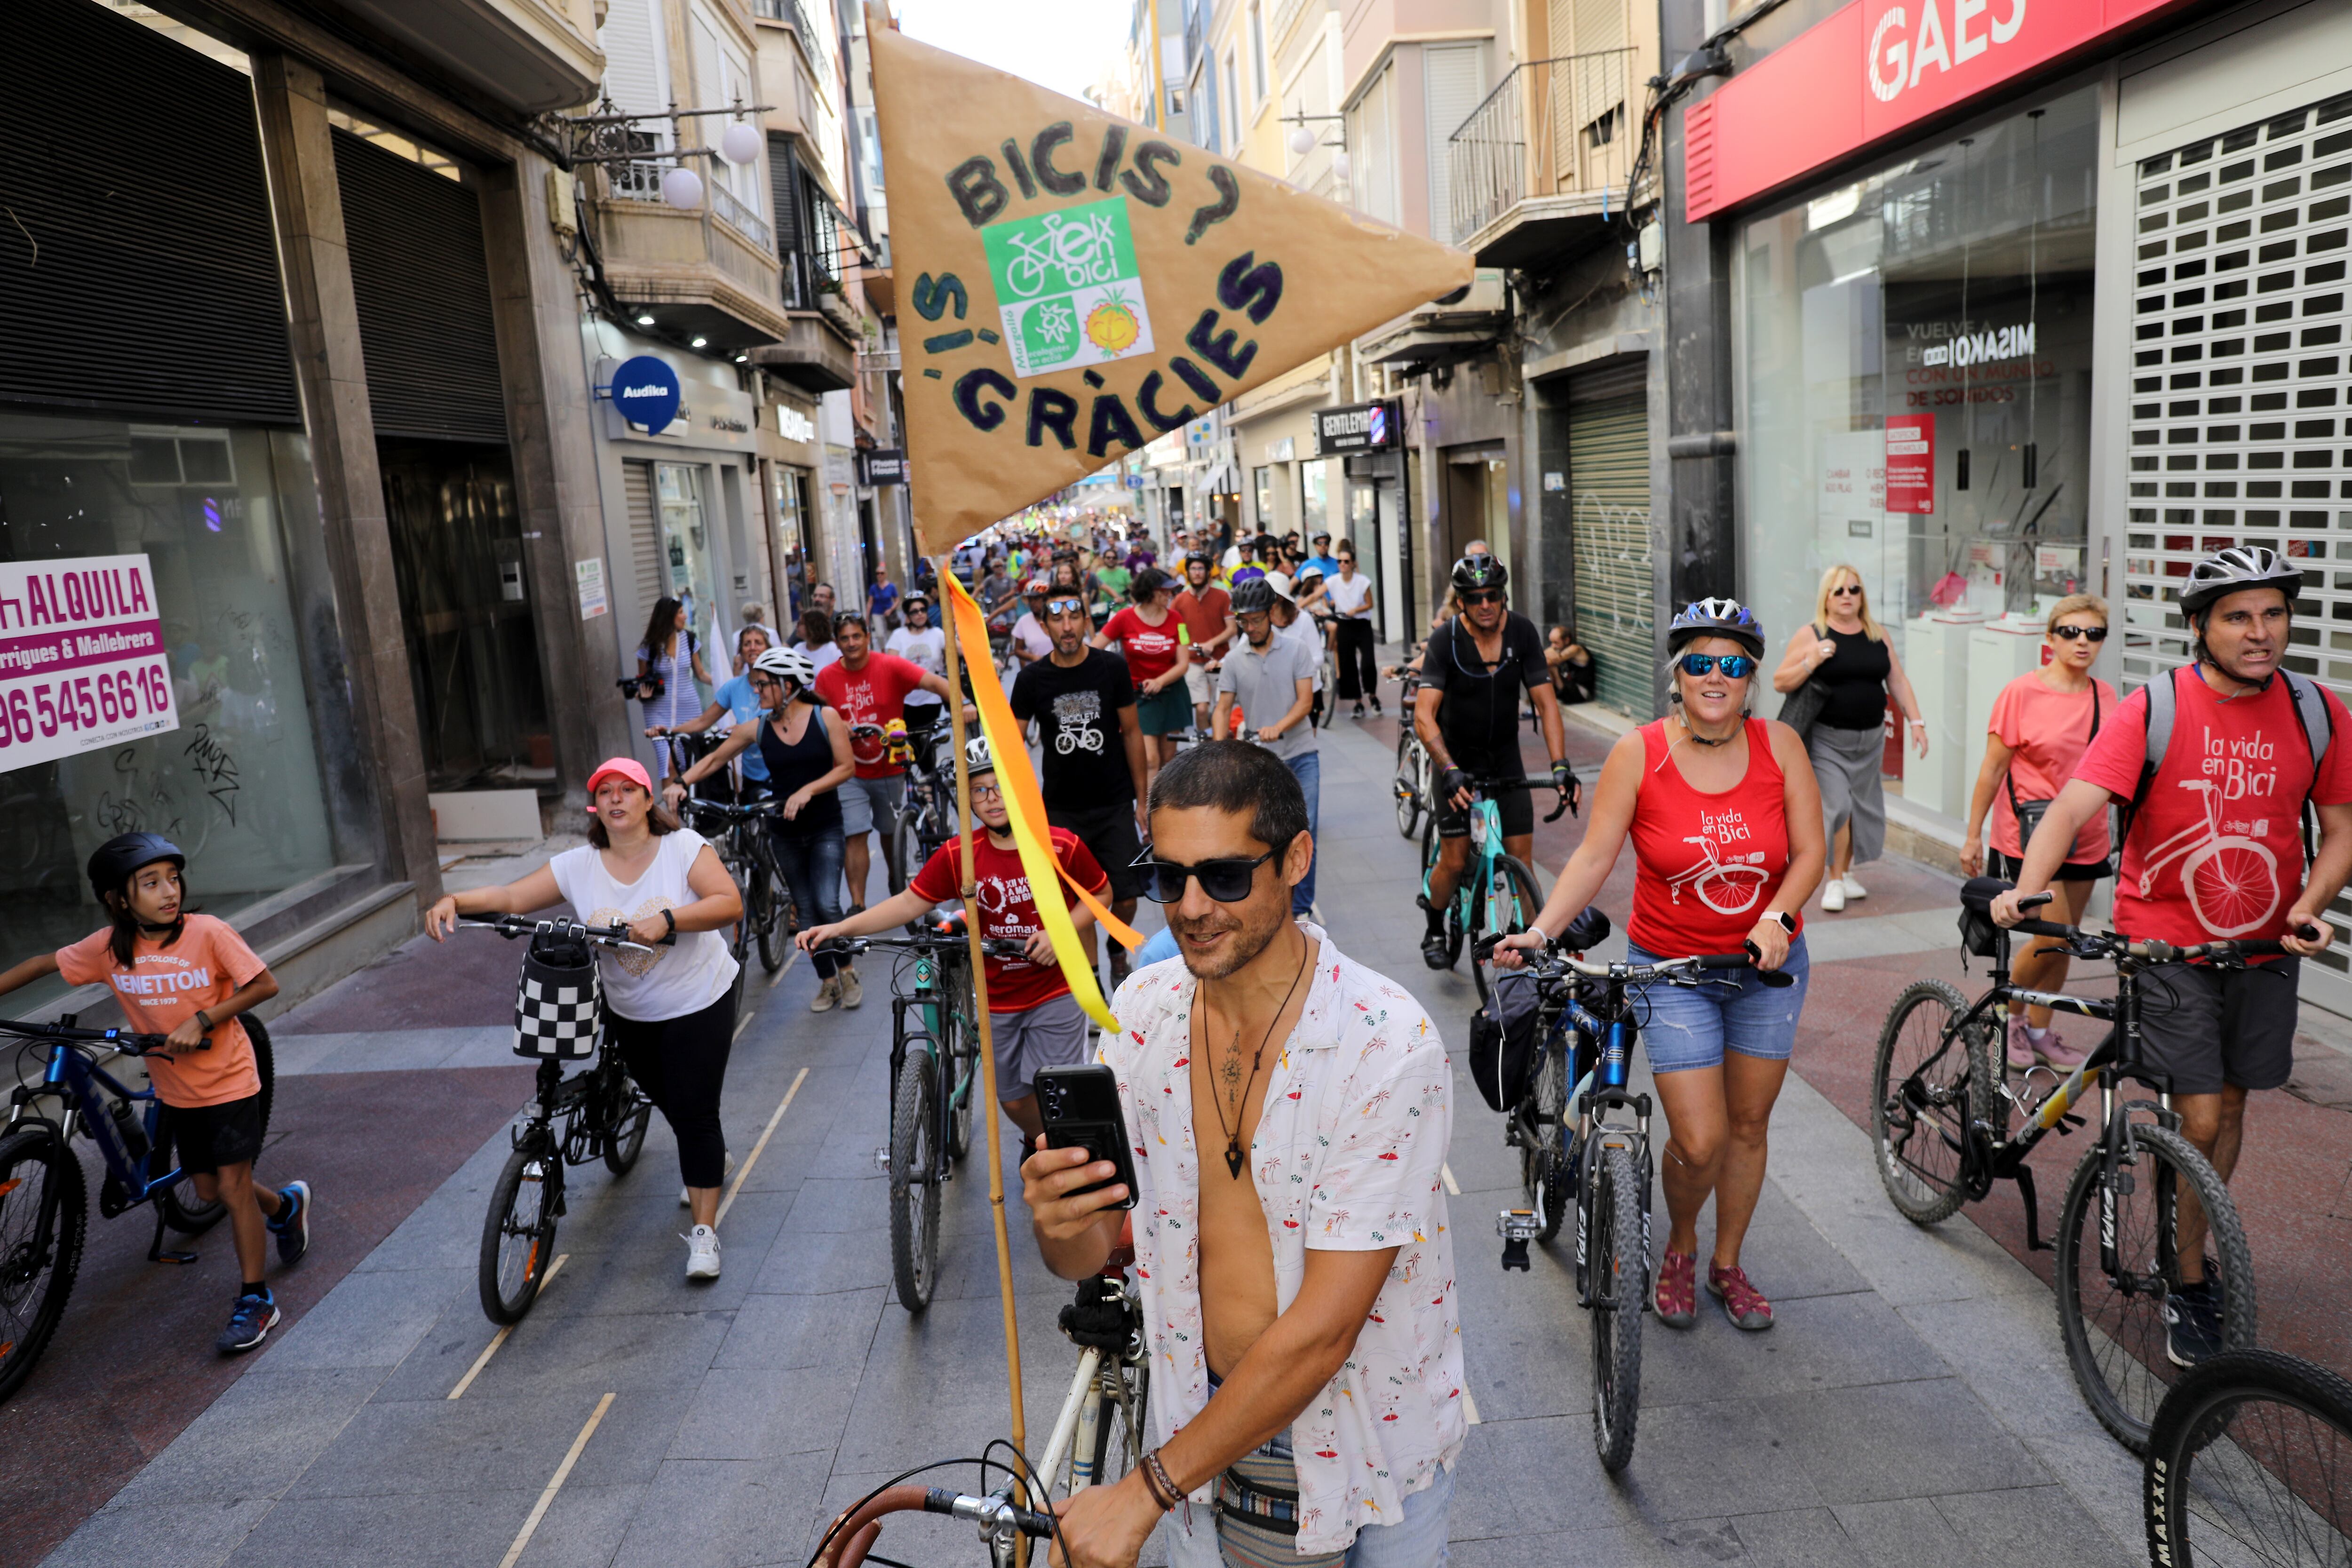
{"x":1208,"y":97}
{"x":1258,"y":53}
{"x":1371,"y":135}
{"x":1233,"y":97}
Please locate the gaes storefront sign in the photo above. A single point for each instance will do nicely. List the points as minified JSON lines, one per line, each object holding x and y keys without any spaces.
{"x":1362,"y":427}
{"x":647,"y":392}
{"x":81,"y":658}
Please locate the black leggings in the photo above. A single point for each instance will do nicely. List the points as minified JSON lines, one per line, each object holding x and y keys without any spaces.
{"x":681,"y":1064}
{"x":1360,"y":674}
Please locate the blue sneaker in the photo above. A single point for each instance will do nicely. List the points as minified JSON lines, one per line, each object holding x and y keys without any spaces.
{"x":2192,"y":1318}
{"x":292,"y":1225}
{"x":250,"y":1323}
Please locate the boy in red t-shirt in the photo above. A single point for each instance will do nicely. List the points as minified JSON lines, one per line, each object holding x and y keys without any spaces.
{"x":187,"y":976}
{"x":1033,"y":1017}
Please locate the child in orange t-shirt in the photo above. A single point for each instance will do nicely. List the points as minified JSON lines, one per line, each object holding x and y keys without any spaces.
{"x":187,"y":976}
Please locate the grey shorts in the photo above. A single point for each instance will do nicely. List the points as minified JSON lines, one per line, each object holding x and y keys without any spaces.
{"x":2209,"y":1027}
{"x":1050,"y":1034}
{"x":869,"y":806}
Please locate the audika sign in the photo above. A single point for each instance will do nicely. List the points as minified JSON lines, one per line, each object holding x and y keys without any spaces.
{"x":1362,"y":427}
{"x":81,"y":658}
{"x":647,"y":392}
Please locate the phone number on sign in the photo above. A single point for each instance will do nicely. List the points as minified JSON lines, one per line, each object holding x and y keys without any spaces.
{"x":107,"y":700}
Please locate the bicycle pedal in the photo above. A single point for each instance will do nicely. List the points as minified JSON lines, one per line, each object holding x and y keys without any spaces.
{"x":882,"y":1159}
{"x":1516,"y":1227}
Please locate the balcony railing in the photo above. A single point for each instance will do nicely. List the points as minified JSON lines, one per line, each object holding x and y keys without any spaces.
{"x":740,"y":216}
{"x":786,"y":11}
{"x":1549,"y":128}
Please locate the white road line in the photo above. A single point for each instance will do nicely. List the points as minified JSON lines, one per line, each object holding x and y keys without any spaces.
{"x":1451,"y":1185}
{"x":500,"y":1338}
{"x":555,"y":1484}
{"x":745,"y":1172}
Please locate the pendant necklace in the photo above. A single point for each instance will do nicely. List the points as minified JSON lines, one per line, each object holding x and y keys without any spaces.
{"x":1234,"y":1155}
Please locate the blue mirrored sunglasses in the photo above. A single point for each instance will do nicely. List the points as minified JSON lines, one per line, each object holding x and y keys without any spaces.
{"x":1735,"y":666}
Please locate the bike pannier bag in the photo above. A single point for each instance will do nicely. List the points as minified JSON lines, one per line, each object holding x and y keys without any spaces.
{"x":1502,"y":1038}
{"x":559,"y":1001}
{"x":1979,"y":935}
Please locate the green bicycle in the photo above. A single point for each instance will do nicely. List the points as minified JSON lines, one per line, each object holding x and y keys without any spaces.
{"x":1498,"y":896}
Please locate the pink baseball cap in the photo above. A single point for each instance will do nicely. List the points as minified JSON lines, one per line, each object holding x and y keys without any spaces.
{"x":627,"y":767}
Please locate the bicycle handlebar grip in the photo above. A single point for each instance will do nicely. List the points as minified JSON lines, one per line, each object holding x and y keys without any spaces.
{"x":2036,"y":901}
{"x":2042,"y":928}
{"x":1725,"y":961}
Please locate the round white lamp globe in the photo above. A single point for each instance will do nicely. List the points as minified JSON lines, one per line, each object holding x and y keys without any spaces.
{"x":1342,"y":165}
{"x":682,"y":188}
{"x":741,"y":143}
{"x":1302,"y":140}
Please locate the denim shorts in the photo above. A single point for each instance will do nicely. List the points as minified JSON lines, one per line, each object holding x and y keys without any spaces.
{"x":1687,"y":1027}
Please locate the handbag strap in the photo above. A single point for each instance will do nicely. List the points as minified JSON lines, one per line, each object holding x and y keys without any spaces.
{"x":2007,"y":775}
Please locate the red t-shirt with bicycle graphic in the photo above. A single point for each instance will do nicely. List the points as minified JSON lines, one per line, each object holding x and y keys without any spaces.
{"x":1707,"y":866}
{"x":2216,"y":850}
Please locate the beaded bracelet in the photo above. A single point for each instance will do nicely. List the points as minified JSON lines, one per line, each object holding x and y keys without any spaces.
{"x":1156,"y":1481}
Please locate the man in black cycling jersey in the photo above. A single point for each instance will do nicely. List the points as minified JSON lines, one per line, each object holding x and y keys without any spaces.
{"x":1467,"y":714}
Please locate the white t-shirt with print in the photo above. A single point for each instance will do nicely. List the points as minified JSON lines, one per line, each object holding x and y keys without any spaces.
{"x":671,"y":980}
{"x":928,"y":649}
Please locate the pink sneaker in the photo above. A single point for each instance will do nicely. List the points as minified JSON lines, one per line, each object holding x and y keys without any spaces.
{"x":1677,"y":1294}
{"x":2058,"y":1054}
{"x":2020,"y":1049}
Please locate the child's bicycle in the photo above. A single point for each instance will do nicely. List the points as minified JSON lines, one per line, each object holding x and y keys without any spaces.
{"x":43,"y":1206}
{"x":1498,"y":896}
{"x":603,"y":1115}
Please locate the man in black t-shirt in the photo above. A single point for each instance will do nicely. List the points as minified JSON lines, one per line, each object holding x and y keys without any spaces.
{"x":1467,"y":716}
{"x":1082,"y":700}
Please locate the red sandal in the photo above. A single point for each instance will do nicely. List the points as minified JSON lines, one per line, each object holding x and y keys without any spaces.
{"x":1676,"y":1299}
{"x":1742,"y":1302}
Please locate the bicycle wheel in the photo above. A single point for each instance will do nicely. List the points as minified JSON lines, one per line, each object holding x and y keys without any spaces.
{"x":1119,"y":1437}
{"x":914,"y":1186}
{"x":1620,"y":1278}
{"x":1545,"y":1174}
{"x":2114,"y":1326}
{"x":2249,"y":1460}
{"x":1411,"y":785}
{"x":42,"y":1215}
{"x":1927,"y":1090}
{"x":1507,"y":905}
{"x":518,"y":1234}
{"x":962,"y":1057}
{"x":264,"y":1063}
{"x":767,"y":919}
{"x":625,"y":1139}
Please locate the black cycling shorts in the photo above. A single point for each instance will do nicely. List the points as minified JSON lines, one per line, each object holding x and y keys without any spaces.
{"x":1516,"y":806}
{"x":210,"y":1136}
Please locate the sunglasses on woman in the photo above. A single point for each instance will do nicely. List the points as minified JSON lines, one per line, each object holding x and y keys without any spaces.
{"x":1227,"y":882}
{"x":1841,"y":591}
{"x":1735,"y":666}
{"x":2097,"y":633}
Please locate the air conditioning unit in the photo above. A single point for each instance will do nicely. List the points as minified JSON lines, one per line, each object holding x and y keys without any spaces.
{"x":1447,"y":330}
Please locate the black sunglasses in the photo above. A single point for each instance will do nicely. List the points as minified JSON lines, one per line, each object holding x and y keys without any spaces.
{"x":1227,"y":882}
{"x":1483,"y":597}
{"x":2097,"y":633}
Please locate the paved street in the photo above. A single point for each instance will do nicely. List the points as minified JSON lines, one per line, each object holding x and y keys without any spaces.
{"x":1911,"y":1405}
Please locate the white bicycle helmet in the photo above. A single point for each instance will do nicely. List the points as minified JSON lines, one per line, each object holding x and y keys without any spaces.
{"x":2240,"y":567}
{"x":784,"y":664}
{"x":977,"y":758}
{"x":1716,"y":618}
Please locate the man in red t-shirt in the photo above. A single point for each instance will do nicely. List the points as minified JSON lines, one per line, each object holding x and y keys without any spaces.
{"x":2213,"y":852}
{"x":868,"y":689}
{"x":1207,"y":612}
{"x":1032,"y":1016}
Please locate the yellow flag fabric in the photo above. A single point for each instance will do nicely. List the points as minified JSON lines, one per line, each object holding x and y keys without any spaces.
{"x":1025,"y":805}
{"x":1075,"y":285}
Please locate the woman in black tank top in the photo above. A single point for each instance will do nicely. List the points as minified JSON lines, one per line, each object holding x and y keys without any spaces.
{"x":1846,"y":656}
{"x":808,"y":760}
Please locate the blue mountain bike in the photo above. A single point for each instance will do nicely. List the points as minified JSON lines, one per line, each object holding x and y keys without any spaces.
{"x":44,"y":1206}
{"x":1497,"y":896}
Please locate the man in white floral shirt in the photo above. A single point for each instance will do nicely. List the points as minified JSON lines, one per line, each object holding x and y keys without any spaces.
{"x":1289,"y":1111}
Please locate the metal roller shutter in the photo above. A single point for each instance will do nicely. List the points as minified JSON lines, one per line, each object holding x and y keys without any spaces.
{"x":140,"y":264}
{"x":2238,"y":425}
{"x":645,"y":537}
{"x":1609,"y":478}
{"x":423,"y":286}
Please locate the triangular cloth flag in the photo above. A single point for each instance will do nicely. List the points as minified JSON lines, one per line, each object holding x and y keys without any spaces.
{"x":1073,"y":285}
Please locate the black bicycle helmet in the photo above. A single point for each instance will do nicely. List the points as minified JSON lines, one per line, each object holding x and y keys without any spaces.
{"x":1254,"y":597}
{"x":1716,"y":618}
{"x":1474,"y":572}
{"x":2240,"y":567}
{"x":1201,"y":557}
{"x":116,"y":861}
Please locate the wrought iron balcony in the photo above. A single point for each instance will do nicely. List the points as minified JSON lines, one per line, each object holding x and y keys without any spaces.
{"x":1539,"y":160}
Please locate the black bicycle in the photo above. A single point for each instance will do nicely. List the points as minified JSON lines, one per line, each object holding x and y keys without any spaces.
{"x":1583,"y":1139}
{"x":2249,"y":1461}
{"x":927,"y":818}
{"x":43,"y":1204}
{"x":597,"y":1114}
{"x":1948,"y":1125}
{"x":934,"y":1084}
{"x":740,"y":834}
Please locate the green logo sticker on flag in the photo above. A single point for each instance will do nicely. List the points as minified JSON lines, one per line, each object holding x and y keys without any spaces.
{"x":1067,"y":288}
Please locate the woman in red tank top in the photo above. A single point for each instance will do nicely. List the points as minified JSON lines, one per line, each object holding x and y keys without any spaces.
{"x":1725,"y":820}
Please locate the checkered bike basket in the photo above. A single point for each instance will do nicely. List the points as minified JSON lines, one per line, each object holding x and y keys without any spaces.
{"x":559,"y":1000}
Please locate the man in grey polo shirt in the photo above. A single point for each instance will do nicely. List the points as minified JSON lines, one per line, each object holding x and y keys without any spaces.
{"x":1271,"y":678}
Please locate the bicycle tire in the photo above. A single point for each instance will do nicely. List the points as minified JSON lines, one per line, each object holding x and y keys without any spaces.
{"x":1917,"y":1039}
{"x":2123,"y":1371}
{"x":514,"y":1256}
{"x":767,"y":919}
{"x":625,"y":1139}
{"x":1120,"y":1436}
{"x":914,"y":1191}
{"x":1528,"y":903}
{"x":964,"y":1053}
{"x":2193,"y":1485}
{"x":41,"y":1246}
{"x":1545,"y":1170}
{"x":1410,"y":785}
{"x":1619,"y":1270}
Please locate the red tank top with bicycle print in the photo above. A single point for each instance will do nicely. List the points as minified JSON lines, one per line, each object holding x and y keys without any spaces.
{"x":1706,"y":865}
{"x":2217,"y":849}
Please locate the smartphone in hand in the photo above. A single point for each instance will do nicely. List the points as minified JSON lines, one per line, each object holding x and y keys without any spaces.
{"x":1079,"y":1106}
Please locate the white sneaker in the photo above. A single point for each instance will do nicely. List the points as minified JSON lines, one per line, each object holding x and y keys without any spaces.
{"x":1856,"y":890}
{"x":852,"y":992}
{"x":1834,"y":895}
{"x":701,"y":1252}
{"x":685,"y":1200}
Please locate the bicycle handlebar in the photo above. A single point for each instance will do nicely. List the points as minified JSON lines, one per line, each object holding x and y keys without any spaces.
{"x":990,"y":947}
{"x":852,"y":1535}
{"x":1673,"y":971}
{"x":615,"y":935}
{"x":736,"y":813}
{"x":1978,"y":895}
{"x":123,"y":1041}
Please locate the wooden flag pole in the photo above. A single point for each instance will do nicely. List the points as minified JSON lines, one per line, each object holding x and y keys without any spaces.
{"x":972,"y":931}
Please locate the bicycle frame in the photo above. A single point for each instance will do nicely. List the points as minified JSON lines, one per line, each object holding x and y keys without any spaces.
{"x":1607,"y":1038}
{"x":81,"y":1086}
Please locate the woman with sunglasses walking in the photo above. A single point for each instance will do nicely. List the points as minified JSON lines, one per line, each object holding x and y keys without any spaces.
{"x":1845,"y":652}
{"x":1727,"y":840}
{"x":2042,"y":724}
